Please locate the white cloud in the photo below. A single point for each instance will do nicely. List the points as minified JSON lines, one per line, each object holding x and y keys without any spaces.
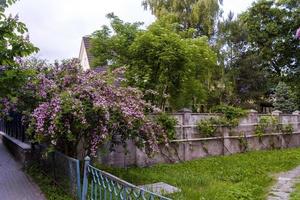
{"x":56,"y":26}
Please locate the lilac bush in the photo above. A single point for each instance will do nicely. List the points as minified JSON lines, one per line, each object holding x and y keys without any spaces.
{"x":6,"y":107}
{"x":298,"y":33}
{"x":66,"y":107}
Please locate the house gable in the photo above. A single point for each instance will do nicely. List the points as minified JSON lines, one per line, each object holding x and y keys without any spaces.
{"x":84,"y":55}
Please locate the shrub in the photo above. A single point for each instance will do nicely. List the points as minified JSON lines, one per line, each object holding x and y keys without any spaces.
{"x":69,"y":106}
{"x":169,"y":123}
{"x":207,"y":127}
{"x":230,"y":112}
{"x":230,"y":118}
{"x":284,"y":98}
{"x":266,"y":122}
{"x":287,"y":129}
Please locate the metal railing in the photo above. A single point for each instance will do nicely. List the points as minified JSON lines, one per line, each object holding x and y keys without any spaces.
{"x":62,"y":169}
{"x":65,"y":171}
{"x":13,"y":127}
{"x":105,"y":186}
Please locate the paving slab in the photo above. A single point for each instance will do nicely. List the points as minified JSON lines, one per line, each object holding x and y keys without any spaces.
{"x":14,"y":183}
{"x":160,"y":188}
{"x":284,"y":185}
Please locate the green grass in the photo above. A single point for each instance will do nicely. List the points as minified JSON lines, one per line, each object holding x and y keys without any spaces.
{"x":237,"y":177}
{"x":50,"y":190}
{"x":296,"y":193}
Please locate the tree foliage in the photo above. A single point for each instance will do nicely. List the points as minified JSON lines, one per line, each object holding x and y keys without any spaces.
{"x":259,"y":46}
{"x":14,"y":44}
{"x":63,"y":106}
{"x":271,"y":27}
{"x":5,"y":3}
{"x":284,"y":98}
{"x":171,"y":68}
{"x":13,"y":40}
{"x":110,"y":46}
{"x":198,"y":14}
{"x":174,"y":68}
{"x":231,"y":39}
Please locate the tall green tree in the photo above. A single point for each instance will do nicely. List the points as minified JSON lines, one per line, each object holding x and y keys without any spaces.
{"x":251,"y":83}
{"x":260,"y":46}
{"x":284,"y":98}
{"x":237,"y":63}
{"x":13,"y":39}
{"x":109,"y":46}
{"x":176,"y":70}
{"x":198,"y":14}
{"x":231,"y":40}
{"x":172,"y":68}
{"x":14,"y":44}
{"x":271,"y":27}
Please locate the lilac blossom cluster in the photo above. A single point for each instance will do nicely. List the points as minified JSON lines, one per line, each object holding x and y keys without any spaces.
{"x":298,"y":34}
{"x":73,"y":106}
{"x":6,"y":106}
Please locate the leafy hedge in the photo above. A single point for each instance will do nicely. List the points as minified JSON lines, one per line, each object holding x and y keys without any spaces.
{"x":230,"y":117}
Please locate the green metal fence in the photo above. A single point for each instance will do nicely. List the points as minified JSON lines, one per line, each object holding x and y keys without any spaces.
{"x":65,"y":171}
{"x":68,"y":173}
{"x":62,"y":169}
{"x":103,"y":186}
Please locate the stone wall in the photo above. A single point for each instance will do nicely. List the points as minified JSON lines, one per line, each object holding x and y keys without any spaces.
{"x":190,"y":145}
{"x":20,"y":150}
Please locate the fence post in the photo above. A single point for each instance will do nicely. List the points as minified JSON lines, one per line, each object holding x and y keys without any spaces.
{"x":85,"y":178}
{"x":186,"y":131}
{"x":78,"y":179}
{"x":276,"y":113}
{"x":297,"y":113}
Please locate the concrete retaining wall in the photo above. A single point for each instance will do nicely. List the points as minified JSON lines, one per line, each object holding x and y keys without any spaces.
{"x":190,"y":145}
{"x":20,"y":150}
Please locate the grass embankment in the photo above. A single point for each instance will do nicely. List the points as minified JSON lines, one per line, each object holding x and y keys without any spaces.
{"x":47,"y":186}
{"x":237,"y":177}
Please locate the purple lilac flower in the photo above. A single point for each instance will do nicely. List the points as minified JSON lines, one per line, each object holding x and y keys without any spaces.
{"x":7,"y":106}
{"x":40,"y":114}
{"x":84,"y":103}
{"x":298,"y":33}
{"x":46,"y":85}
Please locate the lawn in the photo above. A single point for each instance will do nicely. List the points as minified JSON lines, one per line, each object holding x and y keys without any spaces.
{"x":245,"y":176}
{"x":296,"y":194}
{"x":50,"y":190}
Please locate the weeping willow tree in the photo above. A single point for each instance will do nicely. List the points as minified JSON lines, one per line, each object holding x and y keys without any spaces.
{"x":198,"y":14}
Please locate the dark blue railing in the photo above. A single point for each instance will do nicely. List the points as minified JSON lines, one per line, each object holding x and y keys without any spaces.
{"x":13,"y":127}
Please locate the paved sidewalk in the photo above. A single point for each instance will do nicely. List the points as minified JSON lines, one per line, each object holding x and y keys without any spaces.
{"x":284,"y":186}
{"x":14,"y":183}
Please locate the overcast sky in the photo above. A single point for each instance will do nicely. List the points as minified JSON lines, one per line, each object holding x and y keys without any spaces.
{"x":56,"y":26}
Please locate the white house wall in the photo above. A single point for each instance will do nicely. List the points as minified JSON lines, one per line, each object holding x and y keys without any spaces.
{"x":83,"y":57}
